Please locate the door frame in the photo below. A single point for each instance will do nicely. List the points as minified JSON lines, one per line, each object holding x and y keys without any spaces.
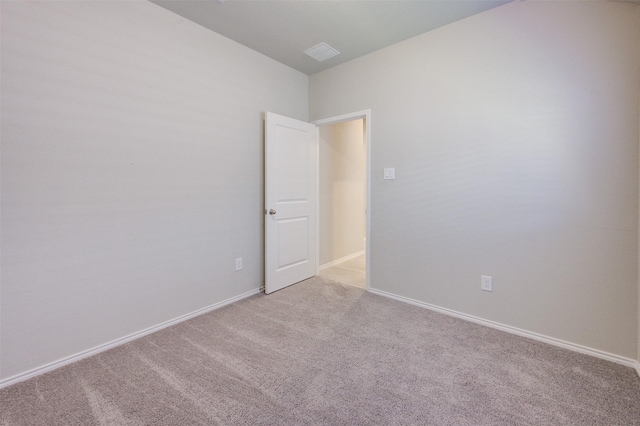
{"x":366,"y":115}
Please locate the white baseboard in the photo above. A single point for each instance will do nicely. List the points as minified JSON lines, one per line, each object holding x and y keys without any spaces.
{"x":638,"y":366}
{"x":514,"y":330}
{"x":341,"y":260}
{"x":106,"y":346}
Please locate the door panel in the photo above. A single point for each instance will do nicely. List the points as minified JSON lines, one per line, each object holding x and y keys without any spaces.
{"x":290,"y":201}
{"x":293,"y":234}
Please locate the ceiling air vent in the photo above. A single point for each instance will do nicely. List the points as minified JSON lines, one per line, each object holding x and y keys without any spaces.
{"x":321,"y":52}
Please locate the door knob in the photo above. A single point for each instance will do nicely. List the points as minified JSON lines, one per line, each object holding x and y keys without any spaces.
{"x":272,"y":212}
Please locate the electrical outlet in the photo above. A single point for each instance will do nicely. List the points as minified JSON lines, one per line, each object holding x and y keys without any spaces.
{"x":389,"y":173}
{"x":238,"y":263}
{"x":486,"y":283}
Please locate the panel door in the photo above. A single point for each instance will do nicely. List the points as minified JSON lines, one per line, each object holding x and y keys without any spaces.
{"x":291,"y":149}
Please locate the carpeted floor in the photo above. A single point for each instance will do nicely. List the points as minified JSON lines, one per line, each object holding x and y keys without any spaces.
{"x":352,"y":272}
{"x":322,"y":353}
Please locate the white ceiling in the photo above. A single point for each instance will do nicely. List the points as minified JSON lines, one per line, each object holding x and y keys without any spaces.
{"x":282,"y":30}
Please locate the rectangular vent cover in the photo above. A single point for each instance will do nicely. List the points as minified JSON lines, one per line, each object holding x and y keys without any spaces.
{"x":321,"y":52}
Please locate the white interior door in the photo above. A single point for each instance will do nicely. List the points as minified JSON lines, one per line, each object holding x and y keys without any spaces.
{"x":291,"y":149}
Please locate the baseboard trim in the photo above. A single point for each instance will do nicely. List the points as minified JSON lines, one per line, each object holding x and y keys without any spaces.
{"x":117,"y":342}
{"x":638,"y":366}
{"x":517,"y":331}
{"x":341,"y":260}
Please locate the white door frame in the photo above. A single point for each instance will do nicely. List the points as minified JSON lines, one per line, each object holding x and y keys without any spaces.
{"x":366,"y":114}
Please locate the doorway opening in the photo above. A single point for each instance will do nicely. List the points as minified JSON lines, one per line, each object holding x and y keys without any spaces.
{"x":343,"y":199}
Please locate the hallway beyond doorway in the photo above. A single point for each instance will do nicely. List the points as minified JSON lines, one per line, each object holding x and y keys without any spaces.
{"x":351,"y":272}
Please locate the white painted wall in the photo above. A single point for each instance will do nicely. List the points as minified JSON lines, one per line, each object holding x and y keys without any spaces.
{"x":342,"y":190}
{"x":132,"y":163}
{"x":514,"y":135}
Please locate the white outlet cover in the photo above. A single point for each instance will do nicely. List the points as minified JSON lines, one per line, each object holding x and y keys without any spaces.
{"x":389,"y":173}
{"x":486,"y":283}
{"x":238,"y":263}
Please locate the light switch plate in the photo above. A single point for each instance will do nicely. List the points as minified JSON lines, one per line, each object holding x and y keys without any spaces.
{"x":389,"y":173}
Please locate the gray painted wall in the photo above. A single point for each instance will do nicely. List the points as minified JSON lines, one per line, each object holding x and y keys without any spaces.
{"x":132,"y":164}
{"x":514,"y":135}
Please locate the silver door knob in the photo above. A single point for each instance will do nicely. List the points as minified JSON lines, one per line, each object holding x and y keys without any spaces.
{"x":272,"y":212}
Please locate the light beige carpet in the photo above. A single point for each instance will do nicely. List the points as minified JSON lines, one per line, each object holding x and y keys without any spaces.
{"x":322,"y":353}
{"x":351,"y":272}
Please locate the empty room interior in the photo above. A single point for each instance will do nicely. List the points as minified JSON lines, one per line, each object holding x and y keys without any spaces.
{"x":472,"y":253}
